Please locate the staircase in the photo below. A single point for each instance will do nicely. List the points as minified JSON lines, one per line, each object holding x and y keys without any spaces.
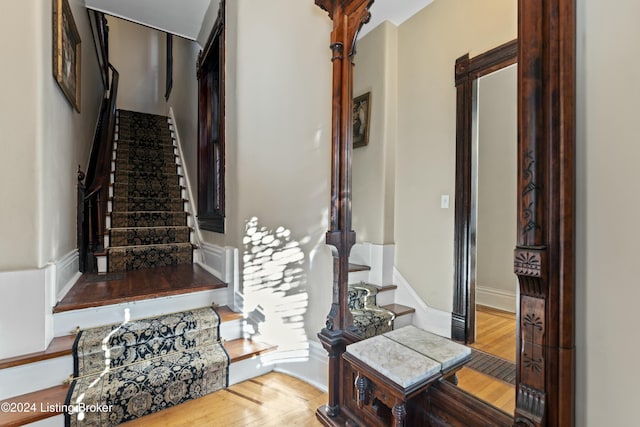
{"x":147,"y":224}
{"x":372,"y":306}
{"x":147,"y":271}
{"x":34,"y":387}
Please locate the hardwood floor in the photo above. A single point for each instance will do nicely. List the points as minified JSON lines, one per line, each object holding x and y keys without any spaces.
{"x":495,"y":334}
{"x":272,"y":400}
{"x":95,"y":290}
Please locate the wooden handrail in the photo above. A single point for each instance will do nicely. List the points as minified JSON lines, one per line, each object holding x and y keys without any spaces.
{"x":94,"y":194}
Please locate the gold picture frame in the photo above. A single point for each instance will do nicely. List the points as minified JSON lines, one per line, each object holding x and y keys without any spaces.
{"x":66,"y":52}
{"x":361,"y":118}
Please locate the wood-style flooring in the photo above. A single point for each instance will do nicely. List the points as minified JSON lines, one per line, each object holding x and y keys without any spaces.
{"x":272,"y":400}
{"x":95,"y":290}
{"x":495,"y":334}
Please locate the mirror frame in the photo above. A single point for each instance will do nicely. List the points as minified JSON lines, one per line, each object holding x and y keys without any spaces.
{"x":544,"y":255}
{"x":466,"y":72}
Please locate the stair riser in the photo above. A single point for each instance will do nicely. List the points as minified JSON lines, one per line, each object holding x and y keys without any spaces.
{"x":88,"y":318}
{"x":149,"y":236}
{"x":57,"y":421}
{"x":247,"y":369}
{"x":146,"y":205}
{"x":402,"y":321}
{"x":119,"y":220}
{"x":130,"y":258}
{"x":34,"y":376}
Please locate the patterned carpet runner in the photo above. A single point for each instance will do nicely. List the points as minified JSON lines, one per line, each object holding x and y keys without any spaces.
{"x":492,"y":366}
{"x":148,"y":221}
{"x":143,"y":366}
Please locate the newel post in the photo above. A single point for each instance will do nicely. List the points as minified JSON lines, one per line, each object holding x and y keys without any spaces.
{"x":348,"y":16}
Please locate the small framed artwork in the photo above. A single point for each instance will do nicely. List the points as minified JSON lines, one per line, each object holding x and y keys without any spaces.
{"x":361,"y":116}
{"x":66,"y":52}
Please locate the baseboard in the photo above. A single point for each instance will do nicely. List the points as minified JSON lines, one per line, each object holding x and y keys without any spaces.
{"x":197,"y":237}
{"x":67,"y":274}
{"x":427,"y":318}
{"x":314,"y":369}
{"x":496,"y":298}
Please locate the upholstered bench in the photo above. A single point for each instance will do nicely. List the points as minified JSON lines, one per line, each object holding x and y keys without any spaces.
{"x":368,"y":317}
{"x":389,"y":369}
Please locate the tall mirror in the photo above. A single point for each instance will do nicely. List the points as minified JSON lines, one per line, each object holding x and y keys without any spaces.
{"x":485,"y":286}
{"x":412,"y":164}
{"x":404,"y":67}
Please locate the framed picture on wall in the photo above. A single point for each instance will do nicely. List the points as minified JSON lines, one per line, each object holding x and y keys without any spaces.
{"x":361,"y":116}
{"x":66,"y":52}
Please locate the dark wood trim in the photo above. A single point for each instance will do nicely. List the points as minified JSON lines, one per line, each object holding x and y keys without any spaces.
{"x":211,"y":128}
{"x":169,"y":68}
{"x":466,"y":71}
{"x":348,"y":17}
{"x":544,"y":257}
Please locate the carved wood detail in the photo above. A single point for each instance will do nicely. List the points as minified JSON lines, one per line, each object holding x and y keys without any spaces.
{"x":544,"y":258}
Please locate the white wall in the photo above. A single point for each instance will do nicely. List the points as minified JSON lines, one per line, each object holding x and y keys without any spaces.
{"x":429,"y":44}
{"x":607,"y":206}
{"x":139,"y":55}
{"x":497,"y":145}
{"x":376,"y":71}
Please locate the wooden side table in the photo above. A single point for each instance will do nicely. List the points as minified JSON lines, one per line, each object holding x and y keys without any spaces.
{"x":386,"y":371}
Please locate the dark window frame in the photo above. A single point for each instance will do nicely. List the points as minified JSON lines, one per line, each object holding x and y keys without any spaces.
{"x":211,"y":129}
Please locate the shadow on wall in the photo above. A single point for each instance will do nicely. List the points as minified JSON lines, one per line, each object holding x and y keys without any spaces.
{"x":274,"y":281}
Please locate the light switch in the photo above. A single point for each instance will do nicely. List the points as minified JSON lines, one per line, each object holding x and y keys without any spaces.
{"x":444,"y":201}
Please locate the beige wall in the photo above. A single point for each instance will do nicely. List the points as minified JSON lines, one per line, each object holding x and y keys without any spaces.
{"x":376,"y":71}
{"x":278,"y":130}
{"x":139,"y":55}
{"x":18,"y":178}
{"x":429,"y":44}
{"x":65,"y":139}
{"x":607,"y":206}
{"x":43,"y":143}
{"x":496,"y":187}
{"x":44,"y":138}
{"x":184,"y":104}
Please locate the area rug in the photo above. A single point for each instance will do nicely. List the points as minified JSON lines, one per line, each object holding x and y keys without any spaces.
{"x":492,"y":366}
{"x":125,"y":371}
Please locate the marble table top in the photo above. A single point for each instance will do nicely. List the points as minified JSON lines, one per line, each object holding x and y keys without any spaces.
{"x":440,"y":349}
{"x":409,"y":355}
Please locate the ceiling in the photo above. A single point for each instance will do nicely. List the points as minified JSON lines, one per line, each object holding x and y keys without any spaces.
{"x":394,"y":11}
{"x":184,"y":17}
{"x":180,"y":17}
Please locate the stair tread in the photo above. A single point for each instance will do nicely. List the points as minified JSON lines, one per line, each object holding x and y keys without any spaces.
{"x":182,"y":244}
{"x":381,"y":288}
{"x":358,"y":267}
{"x":96,"y":290}
{"x":242,"y":348}
{"x":48,"y":398}
{"x":227,"y":314}
{"x":60,"y":346}
{"x":399,"y":309}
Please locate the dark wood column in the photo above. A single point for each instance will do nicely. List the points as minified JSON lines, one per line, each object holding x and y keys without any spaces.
{"x":544,"y":257}
{"x":348,"y":16}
